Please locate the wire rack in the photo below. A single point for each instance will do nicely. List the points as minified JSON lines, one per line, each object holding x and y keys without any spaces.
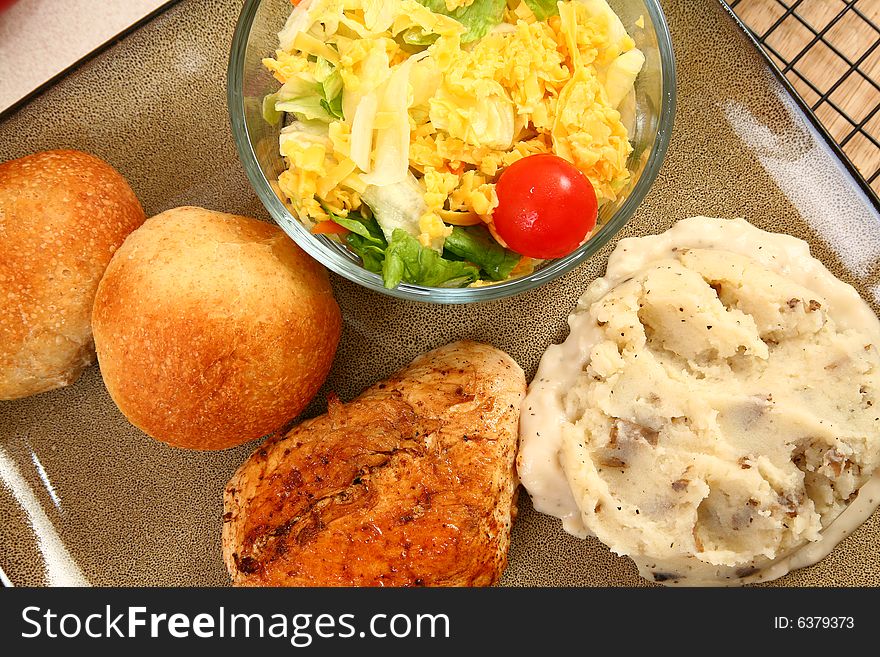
{"x":830,"y":52}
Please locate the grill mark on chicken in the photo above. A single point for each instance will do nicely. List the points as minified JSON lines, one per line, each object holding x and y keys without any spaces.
{"x":411,"y":484}
{"x":306,"y":526}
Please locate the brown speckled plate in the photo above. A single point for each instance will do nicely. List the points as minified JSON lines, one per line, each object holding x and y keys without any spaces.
{"x":87,"y":498}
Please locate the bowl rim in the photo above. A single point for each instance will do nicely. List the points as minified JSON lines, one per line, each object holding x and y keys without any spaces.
{"x":345,"y":267}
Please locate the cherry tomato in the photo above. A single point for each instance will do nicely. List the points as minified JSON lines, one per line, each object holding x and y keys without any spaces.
{"x":546,"y":206}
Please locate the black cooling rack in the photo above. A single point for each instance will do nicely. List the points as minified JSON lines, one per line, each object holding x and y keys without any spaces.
{"x":850,"y":39}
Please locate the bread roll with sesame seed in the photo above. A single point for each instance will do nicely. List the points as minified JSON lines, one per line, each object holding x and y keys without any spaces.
{"x":213,"y":329}
{"x":62,"y":216}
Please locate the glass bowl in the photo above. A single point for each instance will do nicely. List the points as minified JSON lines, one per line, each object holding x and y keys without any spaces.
{"x":256,"y":37}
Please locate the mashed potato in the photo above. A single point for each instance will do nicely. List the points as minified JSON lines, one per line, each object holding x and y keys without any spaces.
{"x":713,"y":408}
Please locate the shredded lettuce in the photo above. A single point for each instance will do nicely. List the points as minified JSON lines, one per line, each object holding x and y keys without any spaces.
{"x":399,"y":206}
{"x":270,"y":114}
{"x":333,"y":106}
{"x":307,"y":127}
{"x":543,"y":9}
{"x":378,"y":15}
{"x":300,"y":19}
{"x":476,"y":245}
{"x":330,"y":82}
{"x":478,"y":19}
{"x":408,"y":261}
{"x":303,"y":98}
{"x":365,"y":239}
{"x":311,"y":98}
{"x":391,"y":149}
{"x":600,"y":9}
{"x":621,"y":75}
{"x":362,"y":130}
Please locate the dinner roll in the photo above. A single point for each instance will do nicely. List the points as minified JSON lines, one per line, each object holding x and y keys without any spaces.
{"x":213,"y":329}
{"x":62,"y":215}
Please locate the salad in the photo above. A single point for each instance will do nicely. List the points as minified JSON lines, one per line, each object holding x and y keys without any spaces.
{"x":453,"y":142}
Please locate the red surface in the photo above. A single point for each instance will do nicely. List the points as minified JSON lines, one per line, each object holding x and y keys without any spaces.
{"x":546,"y":206}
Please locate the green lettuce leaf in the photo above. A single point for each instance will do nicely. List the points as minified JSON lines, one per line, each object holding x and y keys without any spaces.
{"x":372,"y":255}
{"x":312,"y":100}
{"x":475,"y":244}
{"x":408,"y":261}
{"x":333,"y":106}
{"x":478,"y":18}
{"x":543,"y":9}
{"x":365,"y":239}
{"x":366,"y":228}
{"x":303,"y":98}
{"x":331,"y":87}
{"x":404,"y":260}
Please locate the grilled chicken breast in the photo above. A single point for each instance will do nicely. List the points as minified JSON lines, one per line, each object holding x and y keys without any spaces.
{"x":410,"y":484}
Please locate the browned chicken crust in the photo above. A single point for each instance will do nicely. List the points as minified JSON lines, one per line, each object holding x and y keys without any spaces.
{"x":410,"y":484}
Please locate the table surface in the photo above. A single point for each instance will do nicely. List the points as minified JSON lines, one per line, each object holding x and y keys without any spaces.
{"x":41,"y":38}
